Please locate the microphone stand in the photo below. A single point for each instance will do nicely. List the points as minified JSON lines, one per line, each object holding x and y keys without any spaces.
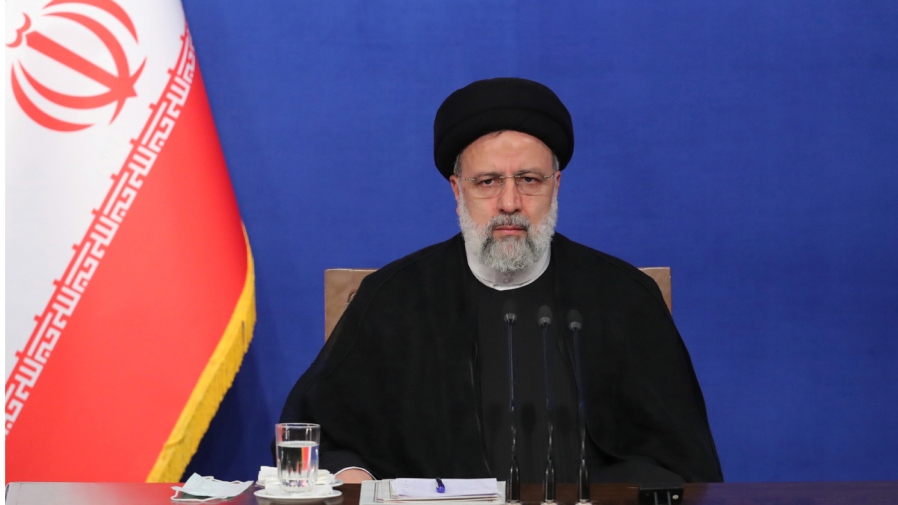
{"x":513,"y":484}
{"x":545,"y":320}
{"x":575,"y":324}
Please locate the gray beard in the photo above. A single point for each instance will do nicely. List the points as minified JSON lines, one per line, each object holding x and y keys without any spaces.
{"x":508,"y":254}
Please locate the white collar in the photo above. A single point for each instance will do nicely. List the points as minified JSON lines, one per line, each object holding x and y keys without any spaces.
{"x":502,"y":281}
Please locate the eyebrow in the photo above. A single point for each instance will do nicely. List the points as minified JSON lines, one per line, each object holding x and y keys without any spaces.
{"x":481,"y":174}
{"x":519,"y":172}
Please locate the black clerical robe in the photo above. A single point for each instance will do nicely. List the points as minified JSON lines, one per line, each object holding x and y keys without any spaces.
{"x":396,"y":388}
{"x":541,"y":364}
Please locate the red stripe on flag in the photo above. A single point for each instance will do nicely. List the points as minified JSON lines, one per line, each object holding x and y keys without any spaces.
{"x":156,"y":306}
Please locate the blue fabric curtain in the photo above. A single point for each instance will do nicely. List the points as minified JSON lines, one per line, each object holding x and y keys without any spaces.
{"x":752,"y":146}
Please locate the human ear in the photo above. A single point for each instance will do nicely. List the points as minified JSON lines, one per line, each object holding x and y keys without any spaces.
{"x":453,"y":180}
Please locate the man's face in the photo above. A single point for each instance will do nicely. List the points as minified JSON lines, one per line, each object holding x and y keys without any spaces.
{"x":506,"y":153}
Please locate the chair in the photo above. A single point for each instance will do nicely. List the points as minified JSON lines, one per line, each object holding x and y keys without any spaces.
{"x":341,"y":284}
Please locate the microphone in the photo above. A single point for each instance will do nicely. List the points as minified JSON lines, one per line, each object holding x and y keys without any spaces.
{"x":544,"y":318}
{"x":574,"y":320}
{"x":513,"y":484}
{"x":575,"y":324}
{"x":508,"y":311}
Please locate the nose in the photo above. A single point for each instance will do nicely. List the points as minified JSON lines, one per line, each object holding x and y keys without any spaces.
{"x":510,"y":197}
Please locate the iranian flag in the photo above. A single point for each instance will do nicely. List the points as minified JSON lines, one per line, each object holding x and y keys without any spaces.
{"x":129,"y":278}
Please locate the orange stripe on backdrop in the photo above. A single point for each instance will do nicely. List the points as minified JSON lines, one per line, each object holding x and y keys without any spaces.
{"x":149,"y":321}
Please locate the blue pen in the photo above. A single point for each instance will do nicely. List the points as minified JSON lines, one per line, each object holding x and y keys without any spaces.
{"x":440,"y":487}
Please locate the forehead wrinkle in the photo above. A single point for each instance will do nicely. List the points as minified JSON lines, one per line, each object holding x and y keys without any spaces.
{"x":510,"y":147}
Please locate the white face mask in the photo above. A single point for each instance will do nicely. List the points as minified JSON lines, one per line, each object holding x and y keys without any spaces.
{"x":207,"y":488}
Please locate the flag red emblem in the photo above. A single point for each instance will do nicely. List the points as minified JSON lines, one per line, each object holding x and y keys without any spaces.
{"x":118,"y":84}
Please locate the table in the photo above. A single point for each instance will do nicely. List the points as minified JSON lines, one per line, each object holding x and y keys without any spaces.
{"x":799,"y":493}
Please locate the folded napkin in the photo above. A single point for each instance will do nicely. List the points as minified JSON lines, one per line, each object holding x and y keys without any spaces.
{"x":200,"y":489}
{"x":270,"y":474}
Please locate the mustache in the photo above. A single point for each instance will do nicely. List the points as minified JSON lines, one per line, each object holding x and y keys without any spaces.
{"x":518,"y":220}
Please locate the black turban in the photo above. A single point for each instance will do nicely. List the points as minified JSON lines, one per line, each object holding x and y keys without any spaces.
{"x":504,"y":103}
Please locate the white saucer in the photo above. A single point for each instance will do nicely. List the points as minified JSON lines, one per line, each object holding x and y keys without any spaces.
{"x":297,"y":498}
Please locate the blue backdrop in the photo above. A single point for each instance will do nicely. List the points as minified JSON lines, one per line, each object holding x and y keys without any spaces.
{"x":749,"y":145}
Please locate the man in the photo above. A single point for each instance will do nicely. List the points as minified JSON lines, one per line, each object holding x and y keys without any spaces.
{"x":414,"y":380}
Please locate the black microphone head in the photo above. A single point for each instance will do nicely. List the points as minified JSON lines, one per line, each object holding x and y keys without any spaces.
{"x":509,"y":310}
{"x":544,"y":316}
{"x":574,"y":320}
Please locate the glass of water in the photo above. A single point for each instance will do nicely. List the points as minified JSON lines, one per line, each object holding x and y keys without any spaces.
{"x":297,"y":455}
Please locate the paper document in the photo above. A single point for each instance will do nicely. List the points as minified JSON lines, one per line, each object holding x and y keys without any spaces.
{"x":420,"y":489}
{"x":423,"y":492}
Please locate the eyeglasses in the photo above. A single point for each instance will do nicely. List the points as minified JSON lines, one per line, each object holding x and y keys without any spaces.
{"x":527,"y":183}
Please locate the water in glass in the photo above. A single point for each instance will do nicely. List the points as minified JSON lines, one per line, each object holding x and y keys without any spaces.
{"x":297,"y":465}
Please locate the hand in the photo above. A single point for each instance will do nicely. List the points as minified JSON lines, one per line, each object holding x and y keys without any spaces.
{"x":353,"y":475}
